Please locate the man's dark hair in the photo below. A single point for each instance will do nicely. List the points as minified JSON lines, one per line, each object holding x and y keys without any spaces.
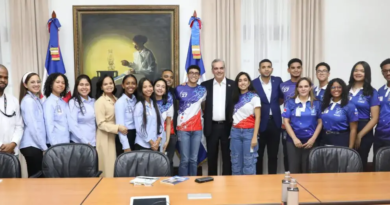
{"x":323,"y":64}
{"x":385,"y":62}
{"x":167,"y":70}
{"x":140,"y":39}
{"x":294,"y":60}
{"x":193,"y":67}
{"x":265,"y":61}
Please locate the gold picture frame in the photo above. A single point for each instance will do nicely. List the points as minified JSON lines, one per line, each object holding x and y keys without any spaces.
{"x":104,"y":36}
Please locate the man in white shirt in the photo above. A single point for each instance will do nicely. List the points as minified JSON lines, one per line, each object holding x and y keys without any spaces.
{"x":11,"y":123}
{"x":218,"y":118}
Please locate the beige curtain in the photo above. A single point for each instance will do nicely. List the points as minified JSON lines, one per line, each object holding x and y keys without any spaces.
{"x":306,"y":21}
{"x":29,"y":38}
{"x":221,"y":35}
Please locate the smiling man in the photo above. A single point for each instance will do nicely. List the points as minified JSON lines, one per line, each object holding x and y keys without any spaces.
{"x":382,"y":131}
{"x":288,"y":89}
{"x":11,"y":123}
{"x":322,"y":72}
{"x":217,"y":124}
{"x":267,"y":87}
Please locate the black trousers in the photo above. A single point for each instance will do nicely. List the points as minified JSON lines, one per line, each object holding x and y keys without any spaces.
{"x":365,"y":144}
{"x":33,"y":158}
{"x":270,"y":138}
{"x":131,"y":134}
{"x":139,"y":147}
{"x":171,"y":150}
{"x":218,"y":133}
{"x":285,"y":154}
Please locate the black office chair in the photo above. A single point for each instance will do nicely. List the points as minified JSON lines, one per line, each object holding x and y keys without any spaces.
{"x":142,"y":163}
{"x":330,"y":159}
{"x":9,"y":166}
{"x":70,"y":160}
{"x":382,"y":159}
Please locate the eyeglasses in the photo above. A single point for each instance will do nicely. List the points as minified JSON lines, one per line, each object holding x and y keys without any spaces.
{"x":385,"y":71}
{"x":322,"y":71}
{"x":193,"y":74}
{"x":336,"y":88}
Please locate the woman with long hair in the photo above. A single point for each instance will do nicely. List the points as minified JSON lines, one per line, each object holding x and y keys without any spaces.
{"x":246,"y":122}
{"x":165,"y":105}
{"x":33,"y":142}
{"x":303,"y":125}
{"x":124,"y":115}
{"x":147,"y":117}
{"x":82,"y":113}
{"x":56,"y":110}
{"x":107,"y":128}
{"x":339,"y":116}
{"x":365,"y":98}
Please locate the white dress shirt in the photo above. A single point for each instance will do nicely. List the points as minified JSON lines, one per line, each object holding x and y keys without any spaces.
{"x":219,"y":100}
{"x":267,"y":87}
{"x":11,"y":128}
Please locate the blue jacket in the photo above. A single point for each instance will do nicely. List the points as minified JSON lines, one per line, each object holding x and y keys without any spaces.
{"x":266,"y":106}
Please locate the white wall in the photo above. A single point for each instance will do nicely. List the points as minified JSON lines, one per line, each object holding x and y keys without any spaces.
{"x":64,"y":13}
{"x":356,"y":30}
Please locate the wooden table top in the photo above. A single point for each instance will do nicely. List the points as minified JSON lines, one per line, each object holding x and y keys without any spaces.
{"x":347,"y":187}
{"x":255,"y":189}
{"x":45,"y":191}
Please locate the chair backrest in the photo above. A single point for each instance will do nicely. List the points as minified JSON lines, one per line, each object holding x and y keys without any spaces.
{"x":382,"y":159}
{"x":142,"y":163}
{"x":70,"y":160}
{"x":9,"y":166}
{"x":330,"y":159}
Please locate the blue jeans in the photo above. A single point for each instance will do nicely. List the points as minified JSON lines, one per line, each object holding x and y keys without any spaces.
{"x":189,"y":143}
{"x":243,"y":160}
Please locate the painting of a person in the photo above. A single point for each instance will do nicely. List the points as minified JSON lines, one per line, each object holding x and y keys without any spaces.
{"x":144,"y":60}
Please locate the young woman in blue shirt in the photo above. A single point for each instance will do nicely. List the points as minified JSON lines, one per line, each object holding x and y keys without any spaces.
{"x":33,"y":143}
{"x":147,"y":117}
{"x":56,"y":110}
{"x":339,"y":116}
{"x":82,"y":122}
{"x":124,"y":115}
{"x":365,"y":98}
{"x":303,"y":125}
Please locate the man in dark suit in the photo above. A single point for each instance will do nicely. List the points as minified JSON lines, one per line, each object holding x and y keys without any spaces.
{"x":217,"y":118}
{"x":271,"y":97}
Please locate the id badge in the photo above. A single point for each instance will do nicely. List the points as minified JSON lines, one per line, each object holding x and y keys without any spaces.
{"x":380,"y":98}
{"x":298,"y":112}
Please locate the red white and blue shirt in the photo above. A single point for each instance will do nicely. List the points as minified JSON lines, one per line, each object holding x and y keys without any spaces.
{"x":166,"y":111}
{"x":190,"y":101}
{"x":244,"y":110}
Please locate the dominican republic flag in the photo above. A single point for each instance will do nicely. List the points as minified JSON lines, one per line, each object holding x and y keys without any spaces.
{"x":54,"y":62}
{"x":194,"y":57}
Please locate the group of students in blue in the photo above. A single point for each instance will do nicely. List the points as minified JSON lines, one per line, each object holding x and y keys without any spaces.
{"x":332,"y":113}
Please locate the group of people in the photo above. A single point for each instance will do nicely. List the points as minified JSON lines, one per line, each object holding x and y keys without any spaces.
{"x":243,"y":116}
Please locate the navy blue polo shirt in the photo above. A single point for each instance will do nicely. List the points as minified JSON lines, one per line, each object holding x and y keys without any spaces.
{"x":337,"y":118}
{"x":364,"y":103}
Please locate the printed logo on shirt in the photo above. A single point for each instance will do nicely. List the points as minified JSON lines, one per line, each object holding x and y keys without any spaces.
{"x":285,"y":110}
{"x":183,"y":94}
{"x":338,"y":112}
{"x":381,"y":98}
{"x":285,"y":89}
{"x":326,"y":111}
{"x":362,"y":99}
{"x":356,"y":111}
{"x":313,"y":111}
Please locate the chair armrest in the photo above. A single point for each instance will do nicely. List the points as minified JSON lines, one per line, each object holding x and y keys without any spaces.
{"x":37,"y":175}
{"x":98,"y":174}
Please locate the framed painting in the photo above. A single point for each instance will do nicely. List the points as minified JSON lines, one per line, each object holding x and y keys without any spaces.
{"x":120,"y":39}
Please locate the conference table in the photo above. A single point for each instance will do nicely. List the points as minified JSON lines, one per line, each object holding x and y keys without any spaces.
{"x":330,"y":188}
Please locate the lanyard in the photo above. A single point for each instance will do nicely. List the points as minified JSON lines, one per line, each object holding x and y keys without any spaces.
{"x":5,"y":108}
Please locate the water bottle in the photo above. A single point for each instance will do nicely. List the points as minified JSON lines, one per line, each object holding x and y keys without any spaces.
{"x":293,"y":193}
{"x":285,"y":184}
